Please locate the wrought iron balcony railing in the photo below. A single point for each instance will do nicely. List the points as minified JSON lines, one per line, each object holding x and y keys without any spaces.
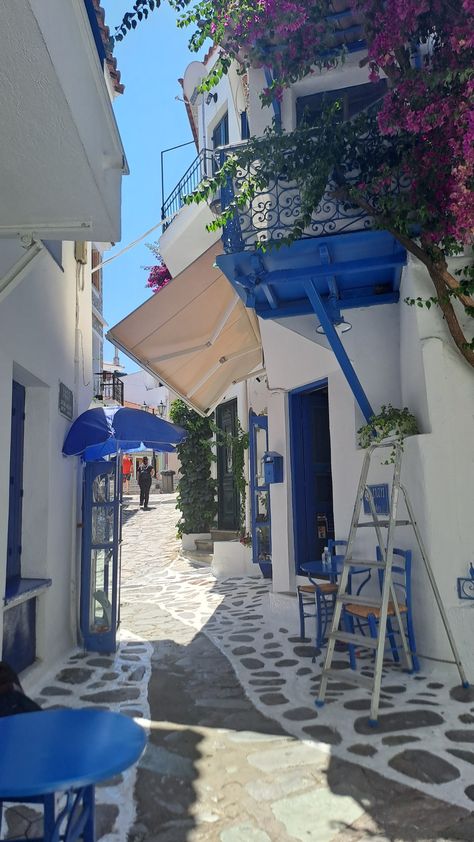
{"x":202,"y":166}
{"x":109,"y":387}
{"x":271,"y":214}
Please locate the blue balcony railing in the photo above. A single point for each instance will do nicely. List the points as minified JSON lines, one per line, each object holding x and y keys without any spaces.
{"x":202,"y":166}
{"x":271,"y":214}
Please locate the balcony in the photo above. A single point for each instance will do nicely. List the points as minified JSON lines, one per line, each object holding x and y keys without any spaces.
{"x":202,"y":166}
{"x":109,"y":388}
{"x":343,"y":272}
{"x":271,"y":214}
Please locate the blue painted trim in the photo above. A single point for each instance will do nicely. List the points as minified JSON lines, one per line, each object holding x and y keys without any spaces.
{"x":91,"y":14}
{"x":298,"y":496}
{"x":294,"y":451}
{"x":232,"y":234}
{"x":258,"y":422}
{"x":310,"y":387}
{"x":276,"y":105}
{"x":302,"y":306}
{"x":15,"y":498}
{"x":348,"y":267}
{"x":295,"y":445}
{"x":338,"y":349}
{"x":18,"y":590}
{"x":99,"y":641}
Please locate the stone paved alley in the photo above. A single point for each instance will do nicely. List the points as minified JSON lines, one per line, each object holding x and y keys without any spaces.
{"x":237,"y":751}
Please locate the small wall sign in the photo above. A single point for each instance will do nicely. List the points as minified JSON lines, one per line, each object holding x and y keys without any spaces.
{"x":381,"y":499}
{"x":66,"y":401}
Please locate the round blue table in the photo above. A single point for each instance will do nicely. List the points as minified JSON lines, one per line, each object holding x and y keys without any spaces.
{"x":65,"y":751}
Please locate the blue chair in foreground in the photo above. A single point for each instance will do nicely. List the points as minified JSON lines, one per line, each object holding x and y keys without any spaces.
{"x":367,"y":617}
{"x":317,"y":599}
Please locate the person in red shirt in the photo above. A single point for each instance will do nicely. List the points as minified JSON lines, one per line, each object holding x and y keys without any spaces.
{"x":126,"y":471}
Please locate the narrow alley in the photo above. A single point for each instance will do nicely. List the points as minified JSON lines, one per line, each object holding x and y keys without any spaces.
{"x":237,"y":751}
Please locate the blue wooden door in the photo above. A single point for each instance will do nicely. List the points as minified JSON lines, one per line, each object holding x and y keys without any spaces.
{"x":19,"y":621}
{"x":100,"y":555}
{"x":313,"y":515}
{"x":259,"y":494}
{"x":16,"y":482}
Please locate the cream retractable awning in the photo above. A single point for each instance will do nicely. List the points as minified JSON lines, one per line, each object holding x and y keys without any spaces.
{"x":195,"y":334}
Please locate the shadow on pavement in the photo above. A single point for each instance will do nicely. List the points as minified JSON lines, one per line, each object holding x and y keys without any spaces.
{"x":205,"y":736}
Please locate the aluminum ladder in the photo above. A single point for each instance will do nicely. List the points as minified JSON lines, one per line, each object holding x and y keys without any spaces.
{"x":381,"y":602}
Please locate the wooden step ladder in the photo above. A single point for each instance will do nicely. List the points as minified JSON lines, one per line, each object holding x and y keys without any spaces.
{"x":387,"y":596}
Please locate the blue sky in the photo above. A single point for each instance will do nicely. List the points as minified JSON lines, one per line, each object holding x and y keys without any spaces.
{"x":151,"y":59}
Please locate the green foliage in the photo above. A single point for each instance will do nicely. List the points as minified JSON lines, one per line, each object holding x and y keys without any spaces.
{"x":196,"y":489}
{"x":390,"y":423}
{"x":238,"y":445}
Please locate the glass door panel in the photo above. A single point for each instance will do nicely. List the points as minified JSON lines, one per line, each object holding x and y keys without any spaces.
{"x":259,"y":494}
{"x":100,"y":555}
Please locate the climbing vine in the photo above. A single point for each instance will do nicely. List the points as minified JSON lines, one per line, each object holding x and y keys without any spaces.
{"x":196,"y":498}
{"x":239,"y":444}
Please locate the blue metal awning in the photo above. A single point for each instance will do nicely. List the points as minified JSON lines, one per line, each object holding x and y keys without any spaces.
{"x":324,"y":276}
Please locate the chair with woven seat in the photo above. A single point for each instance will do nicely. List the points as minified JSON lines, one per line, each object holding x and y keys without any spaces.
{"x":367,"y":617}
{"x":320,"y":595}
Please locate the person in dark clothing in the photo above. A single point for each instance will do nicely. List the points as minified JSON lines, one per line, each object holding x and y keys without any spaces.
{"x":145,"y":472}
{"x":12,"y":698}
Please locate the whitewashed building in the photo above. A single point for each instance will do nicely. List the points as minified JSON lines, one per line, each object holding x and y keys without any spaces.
{"x":61,"y":168}
{"x":236,"y":329}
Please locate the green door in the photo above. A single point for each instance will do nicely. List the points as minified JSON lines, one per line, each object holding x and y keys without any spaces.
{"x":228,"y":498}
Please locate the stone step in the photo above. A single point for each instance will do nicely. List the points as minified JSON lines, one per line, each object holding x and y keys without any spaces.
{"x":204,"y":545}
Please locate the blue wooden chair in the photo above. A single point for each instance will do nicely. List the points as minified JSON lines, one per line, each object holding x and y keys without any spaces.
{"x":317,"y":598}
{"x":367,"y":617}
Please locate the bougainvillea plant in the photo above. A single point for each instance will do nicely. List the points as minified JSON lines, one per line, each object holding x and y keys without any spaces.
{"x":421,"y":137}
{"x":158,"y":274}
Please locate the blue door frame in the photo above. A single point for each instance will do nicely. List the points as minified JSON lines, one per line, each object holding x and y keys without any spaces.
{"x":259,"y":495}
{"x":19,"y":621}
{"x":15,"y":506}
{"x":313,"y":516}
{"x":100,"y":576}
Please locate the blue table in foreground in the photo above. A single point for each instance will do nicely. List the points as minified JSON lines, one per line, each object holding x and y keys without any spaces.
{"x":65,"y":751}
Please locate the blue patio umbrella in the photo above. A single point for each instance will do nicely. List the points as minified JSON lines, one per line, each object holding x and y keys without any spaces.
{"x":99,"y":451}
{"x":102,"y":431}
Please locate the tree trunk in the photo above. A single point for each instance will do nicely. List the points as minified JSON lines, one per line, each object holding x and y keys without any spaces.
{"x":443,"y":280}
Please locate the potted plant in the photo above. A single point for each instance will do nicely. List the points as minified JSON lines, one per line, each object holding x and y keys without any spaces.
{"x":389,"y":423}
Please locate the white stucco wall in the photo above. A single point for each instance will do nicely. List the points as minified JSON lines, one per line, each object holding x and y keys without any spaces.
{"x":403,"y":356}
{"x":37,"y":329}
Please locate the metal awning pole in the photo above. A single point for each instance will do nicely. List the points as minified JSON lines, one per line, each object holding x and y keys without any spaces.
{"x":338,"y":348}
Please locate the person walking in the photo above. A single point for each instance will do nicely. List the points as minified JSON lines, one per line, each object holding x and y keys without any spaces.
{"x":126,"y":471}
{"x":145,"y":472}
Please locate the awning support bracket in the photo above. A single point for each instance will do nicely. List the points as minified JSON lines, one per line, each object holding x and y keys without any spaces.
{"x":20,"y":269}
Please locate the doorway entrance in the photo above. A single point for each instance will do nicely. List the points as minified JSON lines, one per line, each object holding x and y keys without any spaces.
{"x":313,"y":514}
{"x":228,"y":502}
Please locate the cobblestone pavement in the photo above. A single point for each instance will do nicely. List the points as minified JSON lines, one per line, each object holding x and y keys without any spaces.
{"x":237,"y":751}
